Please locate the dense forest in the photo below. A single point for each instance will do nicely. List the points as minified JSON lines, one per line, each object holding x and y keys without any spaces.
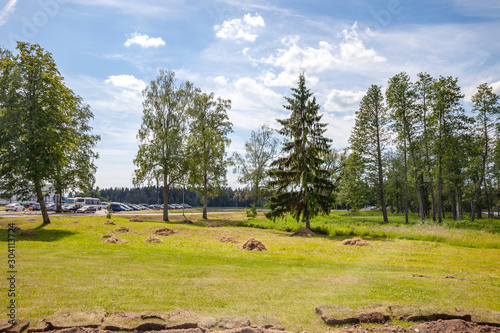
{"x":154,"y":195}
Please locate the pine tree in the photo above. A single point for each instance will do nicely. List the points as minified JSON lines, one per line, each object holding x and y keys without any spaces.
{"x":302,"y":185}
{"x":370,"y":135}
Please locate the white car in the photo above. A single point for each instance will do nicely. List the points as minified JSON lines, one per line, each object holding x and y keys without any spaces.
{"x":15,"y":207}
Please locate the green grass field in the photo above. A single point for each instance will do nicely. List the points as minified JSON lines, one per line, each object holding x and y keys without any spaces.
{"x":68,"y":267}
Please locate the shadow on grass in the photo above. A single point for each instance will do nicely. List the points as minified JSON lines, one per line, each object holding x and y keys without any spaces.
{"x":42,"y":235}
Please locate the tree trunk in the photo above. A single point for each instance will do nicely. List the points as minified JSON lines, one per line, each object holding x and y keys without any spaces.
{"x":166,"y":188}
{"x":381,"y":180}
{"x":308,"y":224}
{"x":205,"y":196}
{"x":406,"y":185}
{"x":419,"y":190}
{"x":453,"y":204}
{"x":440,"y":191}
{"x":41,"y":201}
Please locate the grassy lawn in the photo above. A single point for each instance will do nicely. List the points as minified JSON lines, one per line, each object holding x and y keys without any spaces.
{"x":68,"y":267}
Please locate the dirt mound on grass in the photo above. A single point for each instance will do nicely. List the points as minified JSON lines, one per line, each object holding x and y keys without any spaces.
{"x":303,"y":233}
{"x":228,"y":239}
{"x":164,"y":231}
{"x":107,"y":236}
{"x":123,"y":229}
{"x":115,"y":240}
{"x":136,"y":219}
{"x":30,"y":233}
{"x":153,"y":240}
{"x":439,"y":326}
{"x":109,"y":222}
{"x":254,"y":245}
{"x":355,"y":241}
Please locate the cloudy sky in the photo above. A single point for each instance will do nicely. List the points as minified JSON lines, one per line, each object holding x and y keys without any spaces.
{"x":251,"y":52}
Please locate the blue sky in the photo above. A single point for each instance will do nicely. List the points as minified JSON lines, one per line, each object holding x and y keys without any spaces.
{"x":251,"y":52}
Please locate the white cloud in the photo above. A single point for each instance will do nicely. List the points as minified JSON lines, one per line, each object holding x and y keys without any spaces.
{"x":353,"y":50}
{"x":350,"y":54}
{"x":127,"y":81}
{"x":220,"y":80}
{"x":243,"y":29}
{"x":496,"y":87}
{"x":7,"y":11}
{"x":343,"y":100}
{"x":144,"y":40}
{"x":252,"y":104}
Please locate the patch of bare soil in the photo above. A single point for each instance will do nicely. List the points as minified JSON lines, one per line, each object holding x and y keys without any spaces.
{"x":123,"y":229}
{"x":355,"y":241}
{"x":110,"y":222}
{"x":253,"y":245}
{"x":153,"y":240}
{"x":439,"y":326}
{"x":213,"y":225}
{"x":303,"y":233}
{"x":107,"y":236}
{"x":164,"y":231}
{"x":228,"y":239}
{"x":136,"y":219}
{"x":30,"y":233}
{"x":115,"y":240}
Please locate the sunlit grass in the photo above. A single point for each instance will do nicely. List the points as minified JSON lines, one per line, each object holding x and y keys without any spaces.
{"x":68,"y":267}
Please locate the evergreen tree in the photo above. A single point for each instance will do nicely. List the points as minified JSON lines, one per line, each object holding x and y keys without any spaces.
{"x":370,"y":135}
{"x":302,"y":185}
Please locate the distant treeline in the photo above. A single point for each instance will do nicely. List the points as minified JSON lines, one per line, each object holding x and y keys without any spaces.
{"x":154,"y":195}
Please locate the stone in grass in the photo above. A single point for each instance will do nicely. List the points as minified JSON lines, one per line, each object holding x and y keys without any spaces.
{"x":153,"y":240}
{"x":115,"y":240}
{"x":232,"y":322}
{"x":253,"y":245}
{"x":164,"y":231}
{"x":355,"y":241}
{"x":66,"y":320}
{"x":228,"y":239}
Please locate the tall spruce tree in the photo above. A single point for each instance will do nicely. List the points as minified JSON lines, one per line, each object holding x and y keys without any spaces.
{"x":401,"y":101}
{"x":487,"y":109}
{"x":302,"y":185}
{"x":370,"y":135}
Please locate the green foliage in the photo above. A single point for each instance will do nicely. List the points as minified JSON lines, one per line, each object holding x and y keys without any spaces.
{"x":162,"y":156}
{"x":260,"y":150}
{"x":354,"y":189}
{"x":206,"y":146}
{"x":44,"y":131}
{"x":252,"y":212}
{"x":370,"y":136}
{"x":302,"y":185}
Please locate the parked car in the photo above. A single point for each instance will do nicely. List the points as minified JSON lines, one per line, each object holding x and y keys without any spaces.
{"x":35,"y":206}
{"x":86,"y":209}
{"x":51,"y":207}
{"x":15,"y":207}
{"x":71,"y":208}
{"x":118,"y":207}
{"x":187,"y":206}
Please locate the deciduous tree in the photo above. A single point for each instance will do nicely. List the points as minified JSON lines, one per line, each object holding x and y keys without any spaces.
{"x":39,"y":118}
{"x":260,"y":150}
{"x":207,"y":144}
{"x":162,"y":155}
